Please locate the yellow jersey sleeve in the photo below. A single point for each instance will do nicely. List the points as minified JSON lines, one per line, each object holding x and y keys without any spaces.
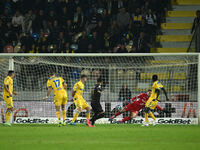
{"x":62,"y":80}
{"x":76,"y":86}
{"x":158,"y":85}
{"x":6,"y":82}
{"x":49,"y":84}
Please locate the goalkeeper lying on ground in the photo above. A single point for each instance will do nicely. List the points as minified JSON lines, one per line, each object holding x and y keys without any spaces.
{"x":138,"y":103}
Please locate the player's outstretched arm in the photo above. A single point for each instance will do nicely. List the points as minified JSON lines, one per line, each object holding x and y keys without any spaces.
{"x":159,"y":108}
{"x":163,"y":89}
{"x":48,"y":93}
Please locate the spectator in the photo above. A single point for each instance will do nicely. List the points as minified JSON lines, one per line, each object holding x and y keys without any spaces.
{"x":107,"y":42}
{"x":123,"y":19}
{"x":83,"y":43}
{"x":69,"y":31}
{"x":55,"y":30}
{"x":44,"y":20}
{"x":151,"y":21}
{"x":79,"y":20}
{"x":93,"y":19}
{"x":17,"y":22}
{"x":43,"y":49}
{"x":39,"y":22}
{"x":100,"y":29}
{"x":52,"y":16}
{"x":65,"y":15}
{"x":196,"y":28}
{"x":137,"y":19}
{"x":27,"y":41}
{"x":97,"y":42}
{"x":105,"y":18}
{"x":142,"y":43}
{"x":28,"y":21}
{"x":8,"y":35}
{"x":33,"y":49}
{"x":67,"y":48}
{"x":125,"y":94}
{"x":196,"y":21}
{"x":42,"y":40}
{"x":6,"y":17}
{"x":61,"y":42}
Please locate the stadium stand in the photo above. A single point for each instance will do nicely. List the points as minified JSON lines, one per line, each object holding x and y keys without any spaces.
{"x":176,"y":32}
{"x":68,"y":26}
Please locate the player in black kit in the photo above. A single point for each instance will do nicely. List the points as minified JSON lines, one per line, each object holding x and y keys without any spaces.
{"x":96,"y":106}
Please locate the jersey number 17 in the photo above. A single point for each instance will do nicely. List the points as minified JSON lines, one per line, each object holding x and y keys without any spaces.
{"x":57,"y":83}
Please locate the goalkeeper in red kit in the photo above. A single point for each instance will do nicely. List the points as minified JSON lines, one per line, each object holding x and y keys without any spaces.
{"x":138,"y":103}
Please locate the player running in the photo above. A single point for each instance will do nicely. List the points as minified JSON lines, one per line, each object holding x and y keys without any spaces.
{"x":96,"y":106}
{"x":79,"y":101}
{"x":8,"y":95}
{"x":153,"y":100}
{"x":60,"y":95}
{"x":138,"y":103}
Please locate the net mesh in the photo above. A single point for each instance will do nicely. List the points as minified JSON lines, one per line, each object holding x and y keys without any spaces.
{"x":123,"y":77}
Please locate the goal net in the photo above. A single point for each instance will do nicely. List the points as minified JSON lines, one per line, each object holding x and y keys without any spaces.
{"x":124,"y":76}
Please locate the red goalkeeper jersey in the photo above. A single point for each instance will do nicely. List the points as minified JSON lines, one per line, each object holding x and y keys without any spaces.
{"x":139,"y":101}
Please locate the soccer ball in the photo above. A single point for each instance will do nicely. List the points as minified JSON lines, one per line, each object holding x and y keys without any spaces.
{"x":118,"y":107}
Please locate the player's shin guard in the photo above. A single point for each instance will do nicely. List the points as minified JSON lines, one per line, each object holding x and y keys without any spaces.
{"x":75,"y":115}
{"x":8,"y":115}
{"x":58,"y":115}
{"x":88,"y":114}
{"x":126,"y":119}
{"x":146,"y":117}
{"x":64,"y":115}
{"x":152,"y":116}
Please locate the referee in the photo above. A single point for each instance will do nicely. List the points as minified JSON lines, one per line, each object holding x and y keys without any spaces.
{"x":96,"y":106}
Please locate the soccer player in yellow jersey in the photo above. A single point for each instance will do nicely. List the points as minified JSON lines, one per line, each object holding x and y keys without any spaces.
{"x":60,"y":95}
{"x":8,"y":95}
{"x":153,"y":99}
{"x":79,"y":101}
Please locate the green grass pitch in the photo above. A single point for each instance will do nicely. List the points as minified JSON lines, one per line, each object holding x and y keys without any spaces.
{"x":102,"y":137}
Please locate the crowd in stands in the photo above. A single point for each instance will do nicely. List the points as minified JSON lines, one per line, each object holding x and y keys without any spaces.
{"x":80,"y":26}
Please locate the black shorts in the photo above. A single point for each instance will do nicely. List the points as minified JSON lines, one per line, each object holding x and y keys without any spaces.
{"x":96,"y":107}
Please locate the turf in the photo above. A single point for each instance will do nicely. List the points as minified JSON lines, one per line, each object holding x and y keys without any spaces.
{"x":102,"y":137}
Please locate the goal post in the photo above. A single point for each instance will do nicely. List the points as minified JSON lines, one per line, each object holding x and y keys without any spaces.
{"x":124,"y":76}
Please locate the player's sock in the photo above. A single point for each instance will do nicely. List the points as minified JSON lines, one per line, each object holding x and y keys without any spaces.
{"x":117,"y":114}
{"x":159,"y":108}
{"x":96,"y":117}
{"x":152,"y":116}
{"x":75,"y":116}
{"x":93,"y":119}
{"x":58,"y":115}
{"x":126,"y":119}
{"x":88,"y":114}
{"x":8,"y":115}
{"x":146,"y":117}
{"x":64,"y":115}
